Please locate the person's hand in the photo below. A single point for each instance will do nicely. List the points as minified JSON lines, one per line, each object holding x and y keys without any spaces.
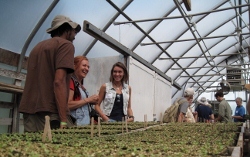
{"x":93,"y":99}
{"x":105,"y":118}
{"x":130,"y":119}
{"x":63,"y":125}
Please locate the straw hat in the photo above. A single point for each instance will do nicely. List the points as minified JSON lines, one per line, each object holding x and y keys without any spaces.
{"x":209,"y":105}
{"x":59,"y":20}
{"x":202,"y":101}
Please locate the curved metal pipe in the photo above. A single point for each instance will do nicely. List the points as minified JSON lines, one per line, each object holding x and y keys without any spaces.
{"x":197,"y":41}
{"x":32,"y":34}
{"x":106,"y":27}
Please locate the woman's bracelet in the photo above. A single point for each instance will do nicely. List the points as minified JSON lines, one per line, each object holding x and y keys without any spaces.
{"x":131,"y":117}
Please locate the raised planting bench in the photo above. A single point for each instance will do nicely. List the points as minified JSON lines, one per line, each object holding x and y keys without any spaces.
{"x":172,"y":139}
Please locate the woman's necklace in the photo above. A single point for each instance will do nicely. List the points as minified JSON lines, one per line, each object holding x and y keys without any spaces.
{"x":117,"y":87}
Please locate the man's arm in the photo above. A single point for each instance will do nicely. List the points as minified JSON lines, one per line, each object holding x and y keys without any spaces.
{"x":212,"y":116}
{"x":60,"y":90}
{"x":196,"y":116}
{"x":183,"y":110}
{"x":218,"y":119}
{"x":181,"y":117}
{"x":237,"y":117}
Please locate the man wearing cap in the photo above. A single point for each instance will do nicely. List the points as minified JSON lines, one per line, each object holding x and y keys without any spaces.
{"x":239,"y":111}
{"x":204,"y":112}
{"x":49,"y":66}
{"x":225,"y":111}
{"x":183,"y":107}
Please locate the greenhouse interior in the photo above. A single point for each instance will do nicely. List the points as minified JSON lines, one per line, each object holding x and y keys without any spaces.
{"x":167,"y":47}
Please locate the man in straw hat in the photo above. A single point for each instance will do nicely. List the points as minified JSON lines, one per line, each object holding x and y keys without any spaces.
{"x":204,"y":112}
{"x":49,"y":66}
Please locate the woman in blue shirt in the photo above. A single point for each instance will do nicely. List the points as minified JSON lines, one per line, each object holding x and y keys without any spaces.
{"x":79,"y":100}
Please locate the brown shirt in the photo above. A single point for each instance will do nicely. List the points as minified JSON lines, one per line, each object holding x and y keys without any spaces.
{"x":45,"y":58}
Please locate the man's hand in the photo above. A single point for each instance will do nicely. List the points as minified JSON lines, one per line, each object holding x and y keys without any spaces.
{"x":63,"y":125}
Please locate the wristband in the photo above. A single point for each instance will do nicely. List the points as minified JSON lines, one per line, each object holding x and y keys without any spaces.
{"x":63,"y":123}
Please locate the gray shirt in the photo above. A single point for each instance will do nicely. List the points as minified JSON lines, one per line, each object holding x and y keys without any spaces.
{"x":183,"y":106}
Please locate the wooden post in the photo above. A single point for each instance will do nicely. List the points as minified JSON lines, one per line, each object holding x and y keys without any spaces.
{"x":99,"y":127}
{"x":92,"y":126}
{"x":122,"y":124}
{"x":126,"y":124}
{"x":16,"y":114}
{"x":161,"y":119}
{"x":145,"y":121}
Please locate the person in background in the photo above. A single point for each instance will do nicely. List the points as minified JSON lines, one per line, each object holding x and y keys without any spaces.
{"x":185,"y":103}
{"x":190,"y":115}
{"x":115,"y":96}
{"x":209,"y":105}
{"x":225,"y":111}
{"x":239,"y":111}
{"x":79,"y":101}
{"x":46,"y":87}
{"x":204,"y":112}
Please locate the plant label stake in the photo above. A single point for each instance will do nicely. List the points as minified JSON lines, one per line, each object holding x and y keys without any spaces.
{"x":99,"y":127}
{"x":122,"y":124}
{"x":145,"y":121}
{"x":92,"y":126}
{"x":126,"y":124}
{"x":47,"y":130}
{"x":161,"y":119}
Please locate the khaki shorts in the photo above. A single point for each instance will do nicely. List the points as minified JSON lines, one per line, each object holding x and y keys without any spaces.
{"x":35,"y":122}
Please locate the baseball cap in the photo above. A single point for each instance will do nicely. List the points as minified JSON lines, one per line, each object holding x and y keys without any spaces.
{"x":189,"y":91}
